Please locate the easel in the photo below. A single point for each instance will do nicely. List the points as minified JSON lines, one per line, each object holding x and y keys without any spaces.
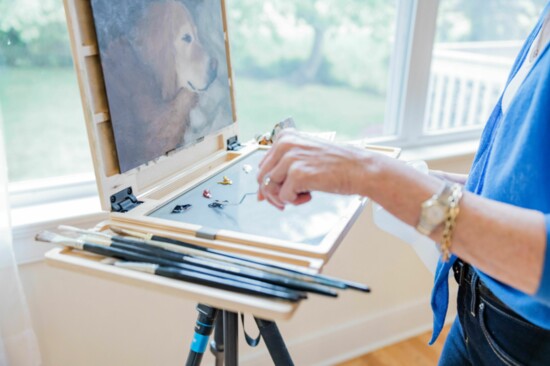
{"x":155,"y":183}
{"x":224,"y":346}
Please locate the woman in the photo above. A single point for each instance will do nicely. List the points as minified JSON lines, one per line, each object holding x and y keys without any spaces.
{"x":494,"y":224}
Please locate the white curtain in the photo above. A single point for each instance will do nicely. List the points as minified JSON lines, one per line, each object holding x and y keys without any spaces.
{"x":18,"y":344}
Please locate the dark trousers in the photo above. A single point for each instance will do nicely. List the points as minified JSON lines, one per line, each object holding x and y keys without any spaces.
{"x":487,"y":332}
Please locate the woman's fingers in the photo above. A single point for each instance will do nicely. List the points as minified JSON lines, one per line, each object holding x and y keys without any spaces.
{"x":271,"y":193}
{"x":284,"y":172}
{"x":286,"y":143}
{"x":279,"y":172}
{"x":302,"y":198}
{"x":271,"y":159}
{"x":277,"y":177}
{"x":296,"y":187}
{"x":282,"y":135}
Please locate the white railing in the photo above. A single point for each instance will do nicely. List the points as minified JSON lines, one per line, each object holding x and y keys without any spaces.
{"x":467,"y":80}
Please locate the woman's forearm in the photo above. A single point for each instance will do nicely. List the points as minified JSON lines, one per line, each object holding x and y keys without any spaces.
{"x":450,"y":177}
{"x":504,"y":241}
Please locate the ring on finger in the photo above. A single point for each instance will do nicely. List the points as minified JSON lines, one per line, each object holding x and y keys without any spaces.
{"x":267,"y":180}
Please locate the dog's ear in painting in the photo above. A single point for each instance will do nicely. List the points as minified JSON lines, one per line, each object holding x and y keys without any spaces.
{"x":166,"y":39}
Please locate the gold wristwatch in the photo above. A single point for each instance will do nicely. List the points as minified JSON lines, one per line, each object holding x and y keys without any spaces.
{"x":434,"y":210}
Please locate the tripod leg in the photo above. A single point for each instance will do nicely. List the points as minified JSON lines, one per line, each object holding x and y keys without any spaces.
{"x":230,"y":338}
{"x":216,"y":345}
{"x":203,"y":329}
{"x":274,"y":342}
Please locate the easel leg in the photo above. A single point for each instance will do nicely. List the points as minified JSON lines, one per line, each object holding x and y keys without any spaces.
{"x":203,"y":329}
{"x":274,"y":342}
{"x":217,"y":346}
{"x":230,"y":338}
{"x":226,"y":341}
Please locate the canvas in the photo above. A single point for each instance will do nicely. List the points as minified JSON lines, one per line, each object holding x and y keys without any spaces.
{"x":166,"y":74}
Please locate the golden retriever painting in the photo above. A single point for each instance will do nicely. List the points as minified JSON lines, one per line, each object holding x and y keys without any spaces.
{"x":165,"y":71}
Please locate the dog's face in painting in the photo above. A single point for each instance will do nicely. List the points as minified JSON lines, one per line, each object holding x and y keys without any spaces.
{"x":166,"y":39}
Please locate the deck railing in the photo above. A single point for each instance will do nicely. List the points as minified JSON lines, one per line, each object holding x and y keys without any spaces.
{"x":467,"y":80}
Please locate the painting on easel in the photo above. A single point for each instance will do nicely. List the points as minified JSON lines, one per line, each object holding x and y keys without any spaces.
{"x":166,"y":74}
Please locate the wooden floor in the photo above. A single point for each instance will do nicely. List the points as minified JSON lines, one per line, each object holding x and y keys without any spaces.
{"x":411,"y":352}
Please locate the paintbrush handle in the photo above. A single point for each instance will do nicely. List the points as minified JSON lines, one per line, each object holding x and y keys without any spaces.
{"x":131,"y":253}
{"x":164,"y":257}
{"x":228,"y":269}
{"x":175,"y":246}
{"x":167,"y":270}
{"x":260,"y":265}
{"x":267,"y":277}
{"x":298,"y":275}
{"x":223,"y":284}
{"x":334,"y":282}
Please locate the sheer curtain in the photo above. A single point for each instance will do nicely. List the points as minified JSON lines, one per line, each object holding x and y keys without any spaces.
{"x":18,"y":345}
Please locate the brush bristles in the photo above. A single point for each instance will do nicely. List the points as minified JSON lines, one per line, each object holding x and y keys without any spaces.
{"x":50,"y":237}
{"x":132,"y":233}
{"x":72,"y":229}
{"x":45,"y":236}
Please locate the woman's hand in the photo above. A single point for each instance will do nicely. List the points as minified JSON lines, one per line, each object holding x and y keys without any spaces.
{"x":504,"y":241}
{"x":298,"y":164}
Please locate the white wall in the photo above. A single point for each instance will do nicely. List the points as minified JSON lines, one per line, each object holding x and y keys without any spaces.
{"x":81,"y":320}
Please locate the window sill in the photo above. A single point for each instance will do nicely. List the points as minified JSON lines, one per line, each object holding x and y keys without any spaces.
{"x":86,"y":211}
{"x":27,"y":221}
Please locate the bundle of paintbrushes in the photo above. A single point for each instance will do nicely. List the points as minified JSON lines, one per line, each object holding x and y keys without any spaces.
{"x":195,"y":264}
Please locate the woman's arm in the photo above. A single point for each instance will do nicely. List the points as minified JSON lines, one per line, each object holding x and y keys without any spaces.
{"x":450,"y":177}
{"x":502,"y":240}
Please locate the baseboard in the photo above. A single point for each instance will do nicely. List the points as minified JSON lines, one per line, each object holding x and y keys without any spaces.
{"x":347,"y":341}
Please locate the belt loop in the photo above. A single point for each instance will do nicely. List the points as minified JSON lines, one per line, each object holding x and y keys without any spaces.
{"x":473,"y":290}
{"x":458,"y":271}
{"x":463,"y":270}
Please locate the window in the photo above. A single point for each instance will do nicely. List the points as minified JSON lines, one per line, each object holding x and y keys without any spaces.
{"x":476,"y":45}
{"x":324,"y":62}
{"x":403,"y":71}
{"x":43,"y":121}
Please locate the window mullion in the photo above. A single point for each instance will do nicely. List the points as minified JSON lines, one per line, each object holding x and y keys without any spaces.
{"x":417,"y":75}
{"x":398,"y":66}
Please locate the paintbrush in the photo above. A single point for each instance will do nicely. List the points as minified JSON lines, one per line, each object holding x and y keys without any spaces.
{"x":215,"y":260}
{"x":228,"y":268}
{"x":174,"y":270}
{"x":220,"y":283}
{"x":249,"y":262}
{"x":155,"y":257}
{"x":195,"y":250}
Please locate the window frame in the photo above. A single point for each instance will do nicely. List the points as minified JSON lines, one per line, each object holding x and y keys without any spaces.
{"x":410,"y":78}
{"x":406,"y":104}
{"x":48,"y":190}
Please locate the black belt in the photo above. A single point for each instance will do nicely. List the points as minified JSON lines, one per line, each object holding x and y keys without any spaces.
{"x":463,"y":273}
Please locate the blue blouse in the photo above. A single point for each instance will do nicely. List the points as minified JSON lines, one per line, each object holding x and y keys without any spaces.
{"x":512,"y":165}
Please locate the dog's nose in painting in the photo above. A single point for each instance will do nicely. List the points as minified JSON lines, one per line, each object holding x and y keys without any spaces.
{"x":212,"y":73}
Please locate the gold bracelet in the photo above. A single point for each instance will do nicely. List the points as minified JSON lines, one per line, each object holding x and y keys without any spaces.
{"x":450,"y":221}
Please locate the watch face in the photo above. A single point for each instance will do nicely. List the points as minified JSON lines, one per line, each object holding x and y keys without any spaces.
{"x":435,"y":214}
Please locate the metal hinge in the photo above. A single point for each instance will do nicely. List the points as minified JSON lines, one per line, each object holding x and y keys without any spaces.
{"x":233,"y":143}
{"x":124,"y":201}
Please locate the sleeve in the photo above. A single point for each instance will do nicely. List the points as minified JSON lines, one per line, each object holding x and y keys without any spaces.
{"x":543,"y":292}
